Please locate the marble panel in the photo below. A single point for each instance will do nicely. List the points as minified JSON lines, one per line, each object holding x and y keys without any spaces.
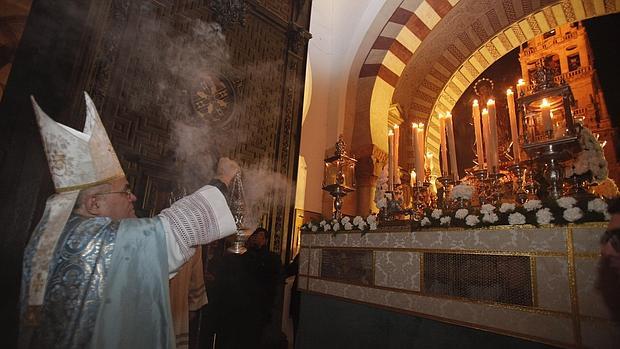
{"x":315,"y":262}
{"x":600,"y":334}
{"x":585,"y":239}
{"x":397,"y":270}
{"x":589,"y":298}
{"x":304,"y":257}
{"x":504,"y":239}
{"x":552,"y":283}
{"x":303,"y":283}
{"x":307,"y":239}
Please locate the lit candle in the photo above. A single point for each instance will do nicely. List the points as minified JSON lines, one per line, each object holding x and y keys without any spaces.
{"x":546,"y":115}
{"x":493,"y":161}
{"x":478,"y":131}
{"x":419,"y":153}
{"x":520,"y":88}
{"x":451,"y":146}
{"x":413,"y":182}
{"x":443,"y":146}
{"x":514,"y":130}
{"x":486,"y":135}
{"x":390,"y":160}
{"x":429,"y":161}
{"x":396,"y":143}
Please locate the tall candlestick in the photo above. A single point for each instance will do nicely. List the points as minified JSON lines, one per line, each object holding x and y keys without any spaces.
{"x":452,"y":146}
{"x":419,"y":153}
{"x":444,"y":146}
{"x":390,"y":160}
{"x":478,"y":131}
{"x":546,"y":115}
{"x":413,"y":179}
{"x":396,"y":147}
{"x":429,"y":161}
{"x":520,"y":88}
{"x":486,"y":135}
{"x":493,"y":166}
{"x":514,"y":128}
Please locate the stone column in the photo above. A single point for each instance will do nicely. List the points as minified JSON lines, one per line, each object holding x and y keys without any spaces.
{"x":370,"y":162}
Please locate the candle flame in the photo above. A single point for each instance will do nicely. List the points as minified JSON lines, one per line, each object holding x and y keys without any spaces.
{"x":420,"y":127}
{"x":490,"y":101}
{"x":395,"y":126}
{"x":520,"y":82}
{"x":414,"y":125}
{"x":508,"y":92}
{"x":485,"y":111}
{"x":390,"y":133}
{"x":475,"y":104}
{"x":545,"y":103}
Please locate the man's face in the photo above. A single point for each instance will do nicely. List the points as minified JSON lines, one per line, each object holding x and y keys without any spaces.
{"x":117,"y":203}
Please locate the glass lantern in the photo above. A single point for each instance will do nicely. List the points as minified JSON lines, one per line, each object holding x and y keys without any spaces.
{"x":339,"y":176}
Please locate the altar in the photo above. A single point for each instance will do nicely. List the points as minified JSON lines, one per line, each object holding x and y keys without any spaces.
{"x":533,"y":283}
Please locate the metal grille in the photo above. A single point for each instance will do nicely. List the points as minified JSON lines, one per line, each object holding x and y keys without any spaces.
{"x":502,"y":279}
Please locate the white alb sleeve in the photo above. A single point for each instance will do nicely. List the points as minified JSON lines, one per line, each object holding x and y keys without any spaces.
{"x":196,"y":219}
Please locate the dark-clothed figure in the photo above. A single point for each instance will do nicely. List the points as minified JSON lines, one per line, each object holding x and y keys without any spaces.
{"x":609,"y":267}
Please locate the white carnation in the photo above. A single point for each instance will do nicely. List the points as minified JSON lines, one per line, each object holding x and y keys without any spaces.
{"x":445,"y":220}
{"x":425,"y":221}
{"x":382,"y":203}
{"x":461,"y":213}
{"x":357,"y":220}
{"x":462,"y":191}
{"x":490,"y":218}
{"x":597,"y":205}
{"x":371,"y":219}
{"x":323,"y":222}
{"x":362,"y":226}
{"x":326,"y":227}
{"x":472,"y":220}
{"x":531,"y":205}
{"x":345,"y":220}
{"x":572,"y":214}
{"x":314,"y":228}
{"x":487,"y":208}
{"x":566,"y":201}
{"x":607,"y":216}
{"x":437,"y":213}
{"x":506,"y":207}
{"x":348,"y":226}
{"x":372,"y":226}
{"x":336,"y":226}
{"x":516,"y":218}
{"x":544,"y":216}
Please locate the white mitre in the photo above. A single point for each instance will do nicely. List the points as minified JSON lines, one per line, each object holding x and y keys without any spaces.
{"x":77,"y":160}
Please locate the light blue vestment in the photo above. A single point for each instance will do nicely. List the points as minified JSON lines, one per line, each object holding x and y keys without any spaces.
{"x":108,"y":287}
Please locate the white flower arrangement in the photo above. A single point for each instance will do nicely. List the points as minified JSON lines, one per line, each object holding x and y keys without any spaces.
{"x":507,"y":207}
{"x":544,"y":216}
{"x":336,"y":226}
{"x":314,"y":228}
{"x":445,"y":220}
{"x":348,"y":226}
{"x":323,"y":222}
{"x":358,"y":220}
{"x":372,"y":226}
{"x":566,"y":202}
{"x":381,"y":189}
{"x":462,"y":191}
{"x":487,"y":208}
{"x":437,"y":213}
{"x":516,"y":218}
{"x":372,"y":219}
{"x":590,"y":159}
{"x":472,"y":220}
{"x":490,"y":218}
{"x":531,"y":205}
{"x":425,"y":221}
{"x":461,"y":213}
{"x":326,"y":227}
{"x":345,"y":220}
{"x":572,"y":214}
{"x":597,"y":205}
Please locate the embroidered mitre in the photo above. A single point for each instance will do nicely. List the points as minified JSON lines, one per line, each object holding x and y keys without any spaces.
{"x":78,"y":160}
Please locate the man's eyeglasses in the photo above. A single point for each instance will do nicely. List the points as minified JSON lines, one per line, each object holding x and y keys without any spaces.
{"x":127,"y":192}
